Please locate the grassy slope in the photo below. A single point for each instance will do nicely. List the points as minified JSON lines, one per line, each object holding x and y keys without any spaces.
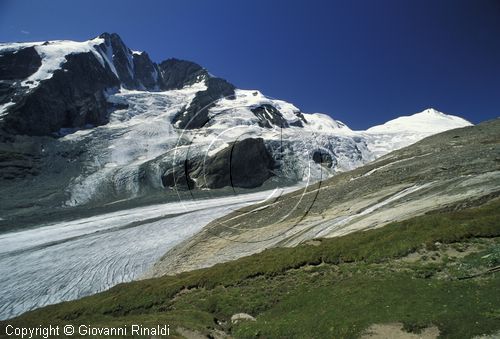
{"x":334,"y":288}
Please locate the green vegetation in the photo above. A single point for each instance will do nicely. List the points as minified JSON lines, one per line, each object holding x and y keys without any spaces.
{"x":420,"y":272}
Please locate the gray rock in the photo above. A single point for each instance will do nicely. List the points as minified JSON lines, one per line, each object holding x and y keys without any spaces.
{"x":135,"y":71}
{"x":236,"y":318}
{"x":301,"y":120}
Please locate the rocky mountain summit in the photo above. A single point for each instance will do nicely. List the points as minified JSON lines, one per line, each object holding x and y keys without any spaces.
{"x":64,"y":84}
{"x":91,"y":122}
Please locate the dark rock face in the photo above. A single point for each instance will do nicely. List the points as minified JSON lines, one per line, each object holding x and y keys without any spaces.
{"x":322,"y":157}
{"x":135,"y":71}
{"x":72,"y":98}
{"x":115,"y":49}
{"x":146,"y":72}
{"x":300,"y":122}
{"x":20,"y":64}
{"x":196,"y":114}
{"x":244,"y":164}
{"x":7,"y":92}
{"x":175,"y":74}
{"x":268,"y":116}
{"x":17,"y":165}
{"x":15,"y":67}
{"x":179,"y":177}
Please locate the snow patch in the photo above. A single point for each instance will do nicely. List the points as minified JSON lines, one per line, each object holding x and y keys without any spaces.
{"x":4,"y":108}
{"x":322,"y":123}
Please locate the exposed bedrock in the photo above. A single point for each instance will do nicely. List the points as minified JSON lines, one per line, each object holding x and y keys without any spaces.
{"x":135,"y":70}
{"x":176,"y":74}
{"x":19,"y":64}
{"x":268,"y":116}
{"x":244,"y":164}
{"x":53,"y":104}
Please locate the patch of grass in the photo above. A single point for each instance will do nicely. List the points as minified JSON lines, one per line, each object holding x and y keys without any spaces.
{"x":334,"y":289}
{"x":347,"y":307}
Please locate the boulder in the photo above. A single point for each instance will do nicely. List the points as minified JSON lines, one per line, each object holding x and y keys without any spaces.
{"x":238,"y":317}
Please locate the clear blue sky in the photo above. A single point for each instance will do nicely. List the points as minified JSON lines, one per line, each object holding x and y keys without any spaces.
{"x":363,"y":62}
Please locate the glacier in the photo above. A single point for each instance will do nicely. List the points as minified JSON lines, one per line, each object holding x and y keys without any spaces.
{"x":69,"y":260}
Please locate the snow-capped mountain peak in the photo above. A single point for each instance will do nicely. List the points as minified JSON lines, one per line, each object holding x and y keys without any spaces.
{"x":406,"y":130}
{"x":427,"y":121}
{"x":431,"y":110}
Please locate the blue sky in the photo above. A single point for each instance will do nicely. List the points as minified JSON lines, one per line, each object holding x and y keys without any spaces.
{"x":362,"y":62}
